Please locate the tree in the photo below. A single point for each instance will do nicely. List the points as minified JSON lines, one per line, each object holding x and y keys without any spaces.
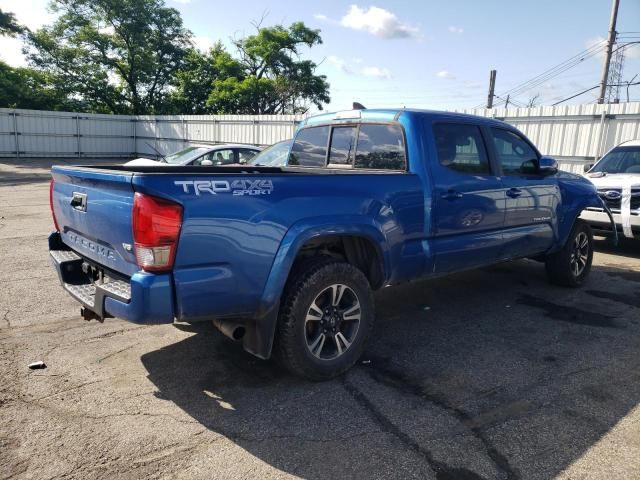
{"x":118,"y":56}
{"x":274,"y":79}
{"x":29,"y":88}
{"x":9,"y":26}
{"x":268,"y":77}
{"x":193,"y":82}
{"x":533,"y":101}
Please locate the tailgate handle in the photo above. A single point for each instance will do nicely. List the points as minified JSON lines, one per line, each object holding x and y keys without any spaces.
{"x":79,"y":201}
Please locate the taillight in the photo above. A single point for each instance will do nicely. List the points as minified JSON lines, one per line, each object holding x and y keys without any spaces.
{"x":156,"y":227}
{"x":53,"y":212}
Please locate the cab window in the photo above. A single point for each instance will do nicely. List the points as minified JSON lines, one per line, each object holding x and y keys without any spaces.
{"x":460,"y":148}
{"x":514,"y":153}
{"x":380,"y":147}
{"x":343,"y":145}
{"x":310,"y":147}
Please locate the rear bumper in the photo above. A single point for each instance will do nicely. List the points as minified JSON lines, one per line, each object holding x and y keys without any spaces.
{"x":599,"y":220}
{"x":144,"y":298}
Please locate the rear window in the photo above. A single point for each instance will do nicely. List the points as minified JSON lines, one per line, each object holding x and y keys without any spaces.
{"x":310,"y":147}
{"x":364,"y":146}
{"x":343,"y":144}
{"x":380,"y":147}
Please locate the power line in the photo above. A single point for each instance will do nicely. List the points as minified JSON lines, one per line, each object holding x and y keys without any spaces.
{"x":621,"y":84}
{"x":554,"y":71}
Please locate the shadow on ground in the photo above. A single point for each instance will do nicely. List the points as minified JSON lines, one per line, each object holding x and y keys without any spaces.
{"x":489,"y":374}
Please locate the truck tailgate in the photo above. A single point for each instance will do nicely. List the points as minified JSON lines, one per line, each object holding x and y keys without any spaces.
{"x":93,"y":211}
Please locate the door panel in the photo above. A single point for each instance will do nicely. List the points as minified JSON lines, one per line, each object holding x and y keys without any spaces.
{"x":531,"y":200}
{"x":469,"y":203}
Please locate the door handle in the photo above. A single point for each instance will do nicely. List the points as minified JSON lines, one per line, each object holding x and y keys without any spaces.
{"x":514,"y":192}
{"x":451,"y":195}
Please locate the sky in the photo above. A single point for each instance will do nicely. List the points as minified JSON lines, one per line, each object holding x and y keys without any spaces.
{"x":423,"y":54}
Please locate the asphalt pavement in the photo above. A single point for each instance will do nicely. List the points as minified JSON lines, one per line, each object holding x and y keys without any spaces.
{"x":488,"y":374}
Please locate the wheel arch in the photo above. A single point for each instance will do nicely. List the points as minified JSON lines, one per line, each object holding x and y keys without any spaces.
{"x":297,"y":237}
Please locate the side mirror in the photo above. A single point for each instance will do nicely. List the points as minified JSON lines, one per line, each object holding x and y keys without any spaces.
{"x":587,"y":167}
{"x":206,"y":163}
{"x":547,"y":166}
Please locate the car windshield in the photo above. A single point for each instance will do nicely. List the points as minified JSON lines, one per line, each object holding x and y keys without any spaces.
{"x":619,"y":160}
{"x":273,"y":156}
{"x":186,"y":155}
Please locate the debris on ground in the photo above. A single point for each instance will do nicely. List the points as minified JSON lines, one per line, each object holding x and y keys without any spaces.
{"x":37,"y":365}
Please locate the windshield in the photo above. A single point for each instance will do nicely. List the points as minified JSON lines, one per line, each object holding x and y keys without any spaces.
{"x":186,"y":155}
{"x":619,"y":160}
{"x":273,"y":156}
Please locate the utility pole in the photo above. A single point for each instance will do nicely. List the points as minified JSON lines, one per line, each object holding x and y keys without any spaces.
{"x":607,"y":56}
{"x":492,"y":88}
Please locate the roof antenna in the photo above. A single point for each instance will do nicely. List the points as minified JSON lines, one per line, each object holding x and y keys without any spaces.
{"x":358,"y":106}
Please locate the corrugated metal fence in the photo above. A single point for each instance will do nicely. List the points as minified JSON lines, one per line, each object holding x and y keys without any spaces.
{"x":33,"y":133}
{"x":574,"y":134}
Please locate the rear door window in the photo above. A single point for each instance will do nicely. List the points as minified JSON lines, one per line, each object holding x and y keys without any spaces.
{"x":461,"y":148}
{"x":380,"y":147}
{"x":310,"y":147}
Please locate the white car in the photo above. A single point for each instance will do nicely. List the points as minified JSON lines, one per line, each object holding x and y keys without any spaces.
{"x":204,"y":155}
{"x":617,"y":177}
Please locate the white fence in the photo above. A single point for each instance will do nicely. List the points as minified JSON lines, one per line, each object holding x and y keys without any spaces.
{"x":574,"y":134}
{"x":33,"y":133}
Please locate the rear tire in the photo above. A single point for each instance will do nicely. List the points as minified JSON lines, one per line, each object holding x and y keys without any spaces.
{"x":571,"y":265}
{"x":325,"y":318}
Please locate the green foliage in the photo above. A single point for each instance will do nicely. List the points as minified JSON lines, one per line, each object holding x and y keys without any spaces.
{"x":8,"y":25}
{"x":135,"y":56}
{"x":117,"y":55}
{"x":268,"y":76}
{"x":29,"y":88}
{"x":193,"y":82}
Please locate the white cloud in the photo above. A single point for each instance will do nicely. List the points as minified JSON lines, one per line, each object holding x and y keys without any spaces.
{"x":31,"y":13}
{"x":446,"y":74}
{"x":202,"y":43}
{"x":454,"y":29}
{"x":377,"y":21}
{"x":376,"y":72}
{"x":320,"y":16}
{"x":597,"y":41}
{"x":11,"y":52}
{"x":632,"y":51}
{"x":183,"y":2}
{"x":365,"y":71}
{"x":340,"y":63}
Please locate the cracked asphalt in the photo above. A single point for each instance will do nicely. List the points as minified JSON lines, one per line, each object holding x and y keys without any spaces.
{"x":487,"y":374}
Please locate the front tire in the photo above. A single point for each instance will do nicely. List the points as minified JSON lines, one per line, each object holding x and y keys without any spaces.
{"x":571,"y":265}
{"x":325,"y":317}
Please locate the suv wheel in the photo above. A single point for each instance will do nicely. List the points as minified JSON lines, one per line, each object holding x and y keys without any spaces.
{"x":571,"y":265}
{"x":325,"y":318}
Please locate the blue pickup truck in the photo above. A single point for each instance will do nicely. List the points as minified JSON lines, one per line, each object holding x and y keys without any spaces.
{"x":285,"y":259}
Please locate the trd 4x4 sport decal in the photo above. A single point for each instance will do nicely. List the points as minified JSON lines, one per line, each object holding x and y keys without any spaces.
{"x":235,"y":187}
